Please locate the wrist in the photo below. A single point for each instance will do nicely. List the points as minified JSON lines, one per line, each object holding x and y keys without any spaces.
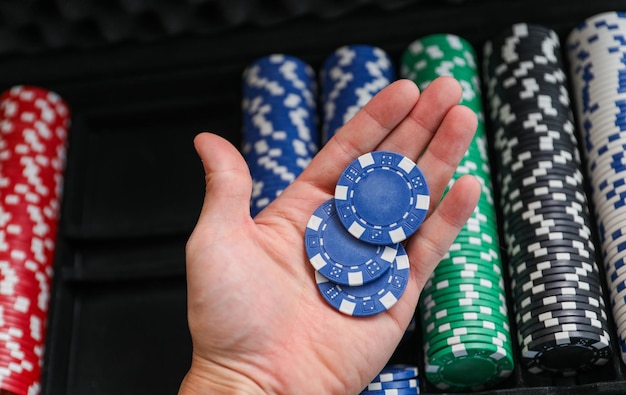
{"x":205,"y":378}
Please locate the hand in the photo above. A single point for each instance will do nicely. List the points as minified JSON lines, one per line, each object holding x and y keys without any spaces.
{"x":257,"y":320}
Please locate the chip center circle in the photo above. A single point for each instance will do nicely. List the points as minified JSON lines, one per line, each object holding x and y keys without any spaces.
{"x":571,"y":357}
{"x":346,"y":249}
{"x":470,"y":371}
{"x":381,"y":195}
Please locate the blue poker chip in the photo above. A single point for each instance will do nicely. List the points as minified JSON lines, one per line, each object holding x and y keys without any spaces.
{"x":382,"y":197}
{"x":369,"y":299}
{"x":393,"y":391}
{"x":377,"y":386}
{"x":339,"y":256}
{"x":396,"y":372}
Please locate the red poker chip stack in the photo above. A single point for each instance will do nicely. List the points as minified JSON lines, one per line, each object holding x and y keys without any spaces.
{"x":34,"y":124}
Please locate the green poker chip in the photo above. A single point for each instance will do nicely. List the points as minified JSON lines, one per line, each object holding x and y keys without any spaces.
{"x":504,"y":336}
{"x":442,"y":281}
{"x":462,"y":302}
{"x":431,"y":300}
{"x":432,"y":347}
{"x":454,"y":323}
{"x":467,"y":304}
{"x":468,"y":366}
{"x":470,"y":269}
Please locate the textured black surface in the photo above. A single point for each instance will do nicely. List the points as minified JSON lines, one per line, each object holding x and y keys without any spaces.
{"x":142,"y":78}
{"x":35,"y":26}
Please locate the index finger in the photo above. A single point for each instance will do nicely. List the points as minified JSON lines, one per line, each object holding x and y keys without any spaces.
{"x":362,"y":134}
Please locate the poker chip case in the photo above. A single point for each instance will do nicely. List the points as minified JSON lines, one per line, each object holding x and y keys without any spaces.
{"x":142,"y":78}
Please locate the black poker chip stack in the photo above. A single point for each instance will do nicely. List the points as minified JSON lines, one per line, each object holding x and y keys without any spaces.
{"x":555,"y":280}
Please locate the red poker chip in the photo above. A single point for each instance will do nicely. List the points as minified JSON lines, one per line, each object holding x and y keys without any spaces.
{"x":15,"y":284}
{"x":35,"y":181}
{"x":45,"y":191}
{"x":20,"y":336}
{"x":32,"y":111}
{"x":20,"y":231}
{"x":32,"y":255}
{"x":17,"y":319}
{"x":23,"y":283}
{"x":25,"y":93}
{"x":13,"y":347}
{"x":36,"y":137}
{"x":26,"y":328}
{"x":18,"y":282}
{"x":23,"y":190}
{"x":29,"y":342}
{"x":26,"y":168}
{"x":28,"y":93}
{"x":27,"y":362}
{"x":27,"y":225}
{"x":38,"y":98}
{"x":50,"y":154}
{"x":19,"y":306}
{"x":25,"y":371}
{"x":19,"y":251}
{"x":11,"y":385}
{"x":23,"y":139}
{"x":29,"y":352}
{"x":21,"y":210}
{"x":35,"y":133}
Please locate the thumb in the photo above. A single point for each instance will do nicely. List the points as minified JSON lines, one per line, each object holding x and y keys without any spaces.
{"x":228,"y":183}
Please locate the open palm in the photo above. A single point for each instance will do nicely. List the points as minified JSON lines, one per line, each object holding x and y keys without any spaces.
{"x":257,"y":320}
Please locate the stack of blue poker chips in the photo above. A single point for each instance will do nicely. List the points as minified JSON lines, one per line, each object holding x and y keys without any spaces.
{"x":596,"y":49}
{"x":280,"y":124}
{"x":349,"y":78}
{"x":394,"y":379}
{"x":353,"y":240}
{"x":561,"y":318}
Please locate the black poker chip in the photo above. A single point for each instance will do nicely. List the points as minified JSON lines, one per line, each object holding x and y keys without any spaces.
{"x":562,"y":308}
{"x":542,"y":291}
{"x":557,"y":311}
{"x":513,"y":239}
{"x":534,"y":327}
{"x":530,"y":336}
{"x":537,"y":278}
{"x":524,"y":268}
{"x":570,"y":267}
{"x":525,"y":305}
{"x":528,"y":282}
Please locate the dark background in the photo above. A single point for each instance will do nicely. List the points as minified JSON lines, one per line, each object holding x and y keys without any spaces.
{"x":142,"y":78}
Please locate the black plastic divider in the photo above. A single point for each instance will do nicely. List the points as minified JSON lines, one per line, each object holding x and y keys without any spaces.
{"x":134,"y":186}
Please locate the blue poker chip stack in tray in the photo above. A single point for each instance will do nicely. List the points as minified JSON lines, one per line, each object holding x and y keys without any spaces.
{"x":349,"y":78}
{"x":394,"y":379}
{"x":596,"y":50}
{"x":280,"y":123}
{"x":556,"y":283}
{"x":463,"y":305}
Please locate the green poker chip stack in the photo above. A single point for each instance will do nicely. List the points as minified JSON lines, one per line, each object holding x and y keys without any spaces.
{"x":464,"y":318}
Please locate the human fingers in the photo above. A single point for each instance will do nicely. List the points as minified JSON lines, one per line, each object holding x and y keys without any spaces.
{"x":430,"y":243}
{"x":411,"y":136}
{"x":228,"y":185}
{"x":363,"y":133}
{"x":446,"y":150}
